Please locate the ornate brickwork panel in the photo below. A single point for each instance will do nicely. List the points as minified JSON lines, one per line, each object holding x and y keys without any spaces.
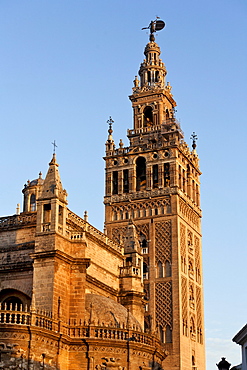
{"x":184,"y":305}
{"x":190,"y":242}
{"x":183,"y":247}
{"x":143,"y":229}
{"x":197,"y":260}
{"x":141,"y":209}
{"x":191,"y":268}
{"x":163,"y":242}
{"x":118,"y":234}
{"x":199,"y":314}
{"x":191,"y":296}
{"x":163,"y":302}
{"x":188,"y":213}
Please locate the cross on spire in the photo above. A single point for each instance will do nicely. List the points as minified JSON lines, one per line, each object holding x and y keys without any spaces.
{"x":54,"y":146}
{"x":110,"y":123}
{"x":193,"y":138}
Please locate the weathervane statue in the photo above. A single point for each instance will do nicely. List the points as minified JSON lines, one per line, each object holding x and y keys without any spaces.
{"x":154,"y":26}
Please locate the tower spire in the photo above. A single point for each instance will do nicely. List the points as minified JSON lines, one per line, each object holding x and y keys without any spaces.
{"x":52,"y":187}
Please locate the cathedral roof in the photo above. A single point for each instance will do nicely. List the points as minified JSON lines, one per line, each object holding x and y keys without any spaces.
{"x":105,"y":311}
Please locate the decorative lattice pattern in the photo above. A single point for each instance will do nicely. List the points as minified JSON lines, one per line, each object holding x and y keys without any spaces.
{"x":199,"y":314}
{"x":198,"y":260}
{"x":184,"y":299}
{"x":182,"y":240}
{"x":163,"y":303}
{"x":141,"y":209}
{"x":163,"y":241}
{"x":197,"y":252}
{"x":190,"y":242}
{"x":188,"y":213}
{"x":199,"y":306}
{"x":143,"y":229}
{"x":118,"y":234}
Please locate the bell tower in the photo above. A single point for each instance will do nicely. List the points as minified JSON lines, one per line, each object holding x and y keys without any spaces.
{"x":154,"y":183}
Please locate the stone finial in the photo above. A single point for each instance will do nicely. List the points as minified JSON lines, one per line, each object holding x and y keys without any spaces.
{"x":18,"y":208}
{"x":136,"y":82}
{"x":85,"y":216}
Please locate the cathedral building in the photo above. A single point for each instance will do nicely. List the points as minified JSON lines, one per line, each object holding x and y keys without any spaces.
{"x":73,"y":297}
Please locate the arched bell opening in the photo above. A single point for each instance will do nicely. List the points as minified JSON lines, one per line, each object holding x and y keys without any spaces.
{"x":147,"y":116}
{"x":140,"y":174}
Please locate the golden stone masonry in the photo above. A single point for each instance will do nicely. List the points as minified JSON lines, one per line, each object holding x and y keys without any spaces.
{"x":131,"y":298}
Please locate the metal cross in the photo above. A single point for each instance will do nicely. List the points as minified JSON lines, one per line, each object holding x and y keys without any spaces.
{"x":193,"y":138}
{"x":110,"y":122}
{"x":55,"y":146}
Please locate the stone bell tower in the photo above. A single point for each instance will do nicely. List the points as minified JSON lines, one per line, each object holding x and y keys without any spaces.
{"x":154,"y":182}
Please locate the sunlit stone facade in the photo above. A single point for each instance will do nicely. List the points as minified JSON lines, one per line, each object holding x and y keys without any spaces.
{"x":130,"y":298}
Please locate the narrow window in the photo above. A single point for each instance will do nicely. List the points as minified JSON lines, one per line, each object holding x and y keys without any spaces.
{"x":155,"y":176}
{"x":168,"y":334}
{"x":160,"y":270}
{"x":126,"y":181}
{"x":168,"y":269}
{"x":161,"y":332}
{"x":140,"y":174}
{"x":47,"y":213}
{"x":33,"y":203}
{"x":148,"y":116}
{"x":145,"y":270}
{"x":167,"y":114}
{"x":60,"y":215}
{"x":115,"y":182}
{"x":166,"y":174}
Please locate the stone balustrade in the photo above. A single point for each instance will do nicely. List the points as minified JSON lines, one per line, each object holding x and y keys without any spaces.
{"x":17,"y":220}
{"x":74,"y":328}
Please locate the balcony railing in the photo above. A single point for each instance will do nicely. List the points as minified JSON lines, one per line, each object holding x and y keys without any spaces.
{"x":74,"y":328}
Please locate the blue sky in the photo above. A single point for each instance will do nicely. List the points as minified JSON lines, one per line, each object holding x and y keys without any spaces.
{"x":66,"y":66}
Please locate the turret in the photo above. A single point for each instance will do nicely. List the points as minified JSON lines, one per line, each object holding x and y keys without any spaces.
{"x":131,"y":274}
{"x":32,"y":190}
{"x":52,"y":202}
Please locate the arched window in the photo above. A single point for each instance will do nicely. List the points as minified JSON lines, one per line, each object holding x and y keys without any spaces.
{"x":145,"y":270}
{"x":156,"y":73}
{"x":140,"y":173}
{"x":161,"y":334}
{"x":167,"y":114}
{"x":168,"y":269}
{"x":191,"y":297}
{"x":126,"y":181}
{"x":33,"y":203}
{"x":60,"y":215}
{"x":147,"y":117}
{"x":13,"y":303}
{"x":115,"y":182}
{"x":168,"y":334}
{"x":190,"y":269}
{"x":155,"y":176}
{"x":47,"y":213}
{"x":192,"y":329}
{"x":13,"y":299}
{"x":160,"y":273}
